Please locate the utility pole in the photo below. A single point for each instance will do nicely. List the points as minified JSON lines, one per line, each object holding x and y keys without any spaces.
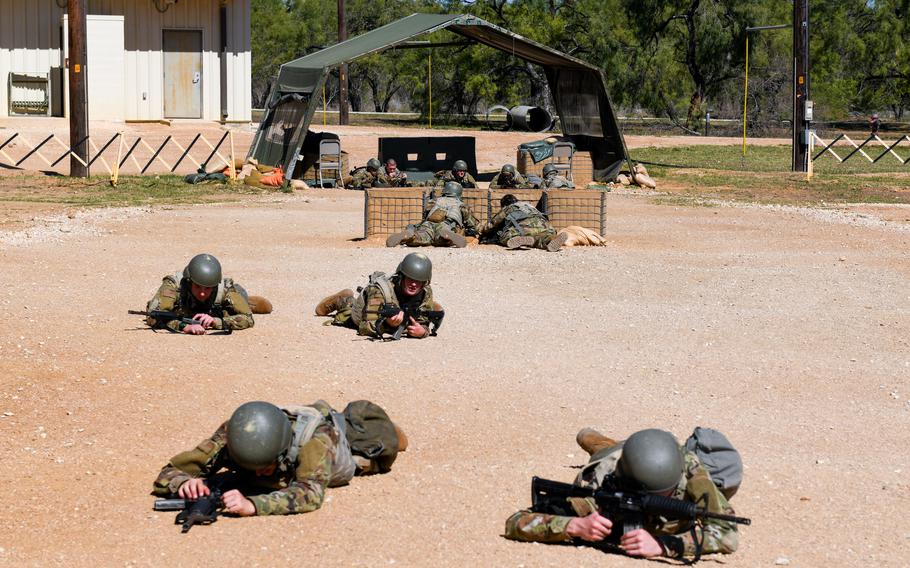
{"x":343,"y":117}
{"x":801,"y":117}
{"x":78,"y":96}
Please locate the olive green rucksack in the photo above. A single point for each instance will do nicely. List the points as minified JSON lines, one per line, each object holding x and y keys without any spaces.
{"x":371,"y":433}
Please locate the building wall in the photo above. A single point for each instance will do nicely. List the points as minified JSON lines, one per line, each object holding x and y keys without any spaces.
{"x":30,"y":41}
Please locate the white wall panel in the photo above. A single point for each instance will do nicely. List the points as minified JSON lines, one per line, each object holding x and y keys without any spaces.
{"x":30,"y":42}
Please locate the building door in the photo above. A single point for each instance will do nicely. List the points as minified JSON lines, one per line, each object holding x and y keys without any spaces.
{"x":182,"y":73}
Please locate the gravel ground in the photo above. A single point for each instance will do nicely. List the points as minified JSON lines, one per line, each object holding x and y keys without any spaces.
{"x":786,"y":328}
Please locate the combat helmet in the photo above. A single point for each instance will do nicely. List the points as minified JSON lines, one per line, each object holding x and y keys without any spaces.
{"x":549,"y":169}
{"x":459,"y":166}
{"x":508,"y":171}
{"x":258,"y":433}
{"x":204,"y":270}
{"x":416,"y":266}
{"x":373,"y":164}
{"x":452,"y":189}
{"x":507,"y":199}
{"x":651,"y":460}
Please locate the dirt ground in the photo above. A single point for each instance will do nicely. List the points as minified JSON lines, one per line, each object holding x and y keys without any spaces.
{"x":787,"y":328}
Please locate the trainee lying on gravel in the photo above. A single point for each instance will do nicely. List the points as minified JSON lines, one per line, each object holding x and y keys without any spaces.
{"x":519,"y":224}
{"x":445,"y":221}
{"x":408,"y":290}
{"x":650,"y":463}
{"x":281,"y":460}
{"x":199,"y":293}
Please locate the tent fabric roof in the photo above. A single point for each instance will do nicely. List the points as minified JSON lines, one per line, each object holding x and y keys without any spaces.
{"x":415,"y":25}
{"x":578,"y":88}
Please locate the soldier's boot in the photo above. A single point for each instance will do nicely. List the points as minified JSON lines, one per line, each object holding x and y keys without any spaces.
{"x":398,"y":238}
{"x":518,"y":242}
{"x":260,"y":305}
{"x":402,"y":438}
{"x":334,"y":302}
{"x":593,"y":441}
{"x":556,"y":242}
{"x":453,"y":238}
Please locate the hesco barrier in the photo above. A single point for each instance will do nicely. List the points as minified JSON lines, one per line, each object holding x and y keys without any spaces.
{"x":388,"y":211}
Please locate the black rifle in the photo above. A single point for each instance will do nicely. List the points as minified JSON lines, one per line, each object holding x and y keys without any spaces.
{"x":391,"y":310}
{"x":163,"y":317}
{"x":202,"y":511}
{"x":627,"y":509}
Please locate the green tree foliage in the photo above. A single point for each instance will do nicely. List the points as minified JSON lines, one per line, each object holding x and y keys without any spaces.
{"x":671,"y":58}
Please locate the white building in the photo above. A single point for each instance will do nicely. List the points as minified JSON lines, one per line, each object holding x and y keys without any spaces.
{"x":147,"y":59}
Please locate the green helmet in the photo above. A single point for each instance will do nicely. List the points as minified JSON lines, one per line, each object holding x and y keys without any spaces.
{"x":416,"y":266}
{"x":549,"y":169}
{"x":651,"y":459}
{"x":373,"y":164}
{"x":452,"y":189}
{"x":204,"y":270}
{"x":507,"y":170}
{"x":459,"y":166}
{"x":507,"y":199}
{"x":257,"y":434}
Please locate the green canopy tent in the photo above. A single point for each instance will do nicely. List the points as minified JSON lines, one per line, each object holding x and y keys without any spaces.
{"x":578,"y":88}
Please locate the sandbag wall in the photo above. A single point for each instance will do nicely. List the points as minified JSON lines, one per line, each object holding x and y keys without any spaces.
{"x":388,"y":211}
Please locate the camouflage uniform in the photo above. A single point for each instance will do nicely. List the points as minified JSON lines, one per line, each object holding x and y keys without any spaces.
{"x":556,"y":182}
{"x":467,"y":182}
{"x":426,"y":233}
{"x":174,"y":295}
{"x":518,"y":182}
{"x":362,"y":178}
{"x":674,"y":535}
{"x":296,"y":488}
{"x":525,"y":221}
{"x":371,"y":325}
{"x":397,"y":179}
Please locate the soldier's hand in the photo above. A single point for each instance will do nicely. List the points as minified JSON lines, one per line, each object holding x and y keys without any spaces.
{"x":395,"y":320}
{"x":193,"y":489}
{"x":593,"y":528}
{"x":640,"y":543}
{"x":235,"y":502}
{"x":194,"y":329}
{"x":416,"y":330}
{"x":205,"y":320}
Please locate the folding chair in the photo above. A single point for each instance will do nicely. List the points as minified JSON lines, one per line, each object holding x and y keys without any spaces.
{"x":329,"y":160}
{"x":562,"y":158}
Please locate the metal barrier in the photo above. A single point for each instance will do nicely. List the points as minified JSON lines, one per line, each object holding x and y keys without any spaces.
{"x":858,"y":148}
{"x":135,"y":152}
{"x":388,"y":211}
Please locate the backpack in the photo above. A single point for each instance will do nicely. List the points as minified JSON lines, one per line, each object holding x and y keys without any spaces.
{"x":371,"y":433}
{"x":446,"y":209}
{"x":378,"y":280}
{"x":721,"y":460}
{"x":306,"y":419}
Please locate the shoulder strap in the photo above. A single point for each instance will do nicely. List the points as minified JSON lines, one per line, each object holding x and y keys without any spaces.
{"x":307,"y":419}
{"x":381,"y":281}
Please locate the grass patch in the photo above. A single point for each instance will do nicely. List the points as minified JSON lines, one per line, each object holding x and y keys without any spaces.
{"x":130,"y":191}
{"x":718,"y":172}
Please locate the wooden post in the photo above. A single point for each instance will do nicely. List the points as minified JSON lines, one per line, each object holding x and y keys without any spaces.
{"x":115,"y":175}
{"x":233,"y":169}
{"x":78,"y":88}
{"x":800,"y":83}
{"x":343,"y":117}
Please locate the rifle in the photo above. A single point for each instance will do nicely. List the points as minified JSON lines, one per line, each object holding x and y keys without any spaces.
{"x":202,"y":511}
{"x":163,"y":317}
{"x":627,"y":509}
{"x":388,"y":310}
